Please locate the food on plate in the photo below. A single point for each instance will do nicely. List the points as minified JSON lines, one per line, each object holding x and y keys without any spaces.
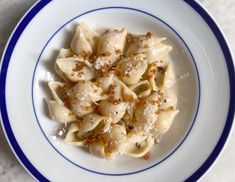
{"x":118,"y":91}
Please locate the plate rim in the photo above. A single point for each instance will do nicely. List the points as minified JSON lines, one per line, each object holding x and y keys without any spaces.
{"x":35,"y":9}
{"x":229,"y":59}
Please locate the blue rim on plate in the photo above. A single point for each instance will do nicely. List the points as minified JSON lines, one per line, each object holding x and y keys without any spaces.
{"x":178,"y":145}
{"x":40,"y":5}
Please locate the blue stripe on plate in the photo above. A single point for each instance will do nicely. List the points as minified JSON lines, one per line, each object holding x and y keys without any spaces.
{"x":229,"y":61}
{"x":5,"y":62}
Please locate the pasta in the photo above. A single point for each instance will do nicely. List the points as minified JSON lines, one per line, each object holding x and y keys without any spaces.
{"x":85,"y":40}
{"x":74,"y":69}
{"x":131,"y":68}
{"x":117,"y":94}
{"x":111,"y":44}
{"x":151,"y":46}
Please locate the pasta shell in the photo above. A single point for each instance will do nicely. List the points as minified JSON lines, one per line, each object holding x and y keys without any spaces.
{"x":127,"y":94}
{"x":115,"y":111}
{"x":91,"y":35}
{"x":112,"y":43}
{"x":59,"y":112}
{"x":60,"y":73}
{"x":142,"y":43}
{"x":64,"y":53}
{"x":117,"y":138}
{"x":165,"y":120}
{"x":142,"y":88}
{"x":103,"y":64}
{"x":137,"y":136}
{"x":106,"y":80}
{"x":97,"y":150}
{"x":138,"y":149}
{"x":84,"y":40}
{"x":168,"y":99}
{"x":163,"y":62}
{"x":118,"y":133}
{"x":161,"y":78}
{"x":128,"y":117}
{"x":83,"y":96}
{"x":74,"y":69}
{"x":71,"y":136}
{"x":156,"y":76}
{"x":79,"y":43}
{"x":132,"y":68}
{"x":169,"y":77}
{"x":157,"y":52}
{"x":87,"y":90}
{"x":145,"y":113}
{"x":152,"y":47}
{"x":89,"y":122}
{"x":82,"y":107}
{"x":56,"y":90}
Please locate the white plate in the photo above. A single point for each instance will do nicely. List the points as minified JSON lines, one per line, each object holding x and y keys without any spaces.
{"x":205,"y":91}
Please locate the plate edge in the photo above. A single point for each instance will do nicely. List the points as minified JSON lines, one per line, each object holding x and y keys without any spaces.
{"x":229,"y":124}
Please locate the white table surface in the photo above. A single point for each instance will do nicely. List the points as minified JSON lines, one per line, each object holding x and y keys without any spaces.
{"x":10,"y":13}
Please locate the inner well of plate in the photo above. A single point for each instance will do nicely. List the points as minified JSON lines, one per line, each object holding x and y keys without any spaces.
{"x":187,"y":87}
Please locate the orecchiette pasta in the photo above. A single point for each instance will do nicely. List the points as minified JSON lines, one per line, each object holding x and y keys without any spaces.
{"x":118,"y":93}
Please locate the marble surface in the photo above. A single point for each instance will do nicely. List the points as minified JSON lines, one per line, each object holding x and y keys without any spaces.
{"x":11,"y":12}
